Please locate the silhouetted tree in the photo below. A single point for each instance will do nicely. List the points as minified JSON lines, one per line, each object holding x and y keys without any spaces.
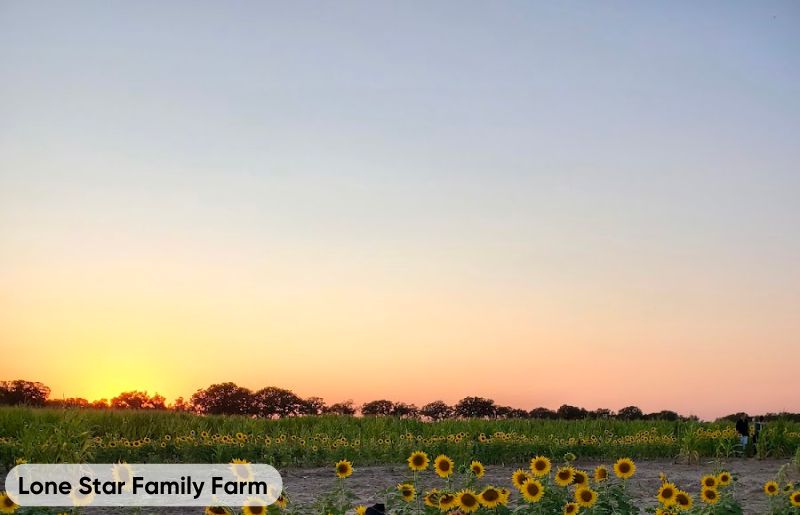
{"x":568,"y":412}
{"x":630,"y":413}
{"x":100,"y":404}
{"x":436,"y":410}
{"x":381,"y":407}
{"x":475,"y":407}
{"x":70,"y":402}
{"x":23,"y":392}
{"x":181,"y":405}
{"x":271,"y":401}
{"x":313,"y":406}
{"x":138,"y":400}
{"x":543,"y":413}
{"x":601,"y":413}
{"x":340,"y":408}
{"x":223,"y":399}
{"x":403,"y":410}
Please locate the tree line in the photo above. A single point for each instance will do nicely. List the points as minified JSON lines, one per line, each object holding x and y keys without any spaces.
{"x":273,"y":402}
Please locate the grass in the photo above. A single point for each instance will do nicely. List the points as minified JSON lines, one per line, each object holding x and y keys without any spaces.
{"x":45,"y":435}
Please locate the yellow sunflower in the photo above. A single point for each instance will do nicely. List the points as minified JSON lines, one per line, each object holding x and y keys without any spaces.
{"x":443,"y":466}
{"x":794,"y":498}
{"x":580,"y":478}
{"x":724,"y":478}
{"x":585,"y":497}
{"x":241,"y":469}
{"x":540,"y":466}
{"x":683,"y":500}
{"x":490,"y":497}
{"x":468,"y":501}
{"x":432,"y":498}
{"x":532,"y":490}
{"x":79,"y":499}
{"x":600,"y":473}
{"x":624,"y":468}
{"x":447,"y":501}
{"x":709,"y":495}
{"x":344,"y":469}
{"x":216,"y":510}
{"x":477,"y":469}
{"x":571,"y":508}
{"x":254,"y":506}
{"x":505,"y":493}
{"x":771,"y":488}
{"x":282,"y":501}
{"x":709,"y":481}
{"x":418,"y":461}
{"x":361,"y":509}
{"x":519,"y":477}
{"x":6,"y":504}
{"x":407,"y":491}
{"x":666,"y":494}
{"x":122,"y":472}
{"x":564,"y":476}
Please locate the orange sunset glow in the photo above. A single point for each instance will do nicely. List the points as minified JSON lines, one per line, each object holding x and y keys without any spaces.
{"x":347,"y":211}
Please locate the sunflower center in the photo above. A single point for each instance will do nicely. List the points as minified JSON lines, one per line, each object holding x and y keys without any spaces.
{"x":586,"y":495}
{"x":491,"y":495}
{"x":468,"y":500}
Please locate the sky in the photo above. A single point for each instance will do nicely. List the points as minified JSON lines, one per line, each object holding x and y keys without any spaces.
{"x":590,"y":203}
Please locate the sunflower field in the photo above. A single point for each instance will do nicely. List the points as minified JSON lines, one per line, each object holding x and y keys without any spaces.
{"x":45,"y":435}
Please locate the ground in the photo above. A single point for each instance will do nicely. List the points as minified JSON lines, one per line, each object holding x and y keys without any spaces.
{"x":369,"y":482}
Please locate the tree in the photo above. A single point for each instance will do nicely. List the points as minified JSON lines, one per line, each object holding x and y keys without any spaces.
{"x":313,"y":406}
{"x":601,"y":413}
{"x":543,"y":413}
{"x":340,"y":408}
{"x":23,"y":392}
{"x":403,"y":410}
{"x":475,"y":407}
{"x":381,"y":408}
{"x":100,"y":404}
{"x":436,"y":410}
{"x":630,"y":413}
{"x":70,"y":402}
{"x":271,"y":401}
{"x":568,"y":412}
{"x":138,"y":400}
{"x":223,"y":399}
{"x":181,"y":405}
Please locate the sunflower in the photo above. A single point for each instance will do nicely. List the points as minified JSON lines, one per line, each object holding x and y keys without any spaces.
{"x":443,"y":465}
{"x":281,"y":501}
{"x":6,"y":504}
{"x":476,"y":467}
{"x":519,"y":477}
{"x":666,"y":494}
{"x":361,"y":509}
{"x":585,"y":497}
{"x":504,"y":495}
{"x":794,"y":498}
{"x":122,"y":472}
{"x":216,"y":510}
{"x":254,"y":506}
{"x":418,"y":461}
{"x":447,"y":501}
{"x":683,"y":500}
{"x":580,"y":478}
{"x":540,"y":466}
{"x":79,"y":499}
{"x":344,"y":469}
{"x":241,"y":469}
{"x":490,"y":497}
{"x":724,"y":478}
{"x":532,"y":490}
{"x":468,"y":501}
{"x":571,"y":508}
{"x":624,"y":468}
{"x":709,"y":495}
{"x":771,"y":488}
{"x":600,"y":473}
{"x":709,"y":481}
{"x":407,"y":491}
{"x":564,"y":476}
{"x":432,"y":498}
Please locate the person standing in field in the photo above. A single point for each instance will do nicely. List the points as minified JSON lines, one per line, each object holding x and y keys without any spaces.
{"x":758,"y":426}
{"x":743,"y":428}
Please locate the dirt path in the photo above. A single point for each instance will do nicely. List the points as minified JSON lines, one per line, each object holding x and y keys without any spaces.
{"x":369,"y":483}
